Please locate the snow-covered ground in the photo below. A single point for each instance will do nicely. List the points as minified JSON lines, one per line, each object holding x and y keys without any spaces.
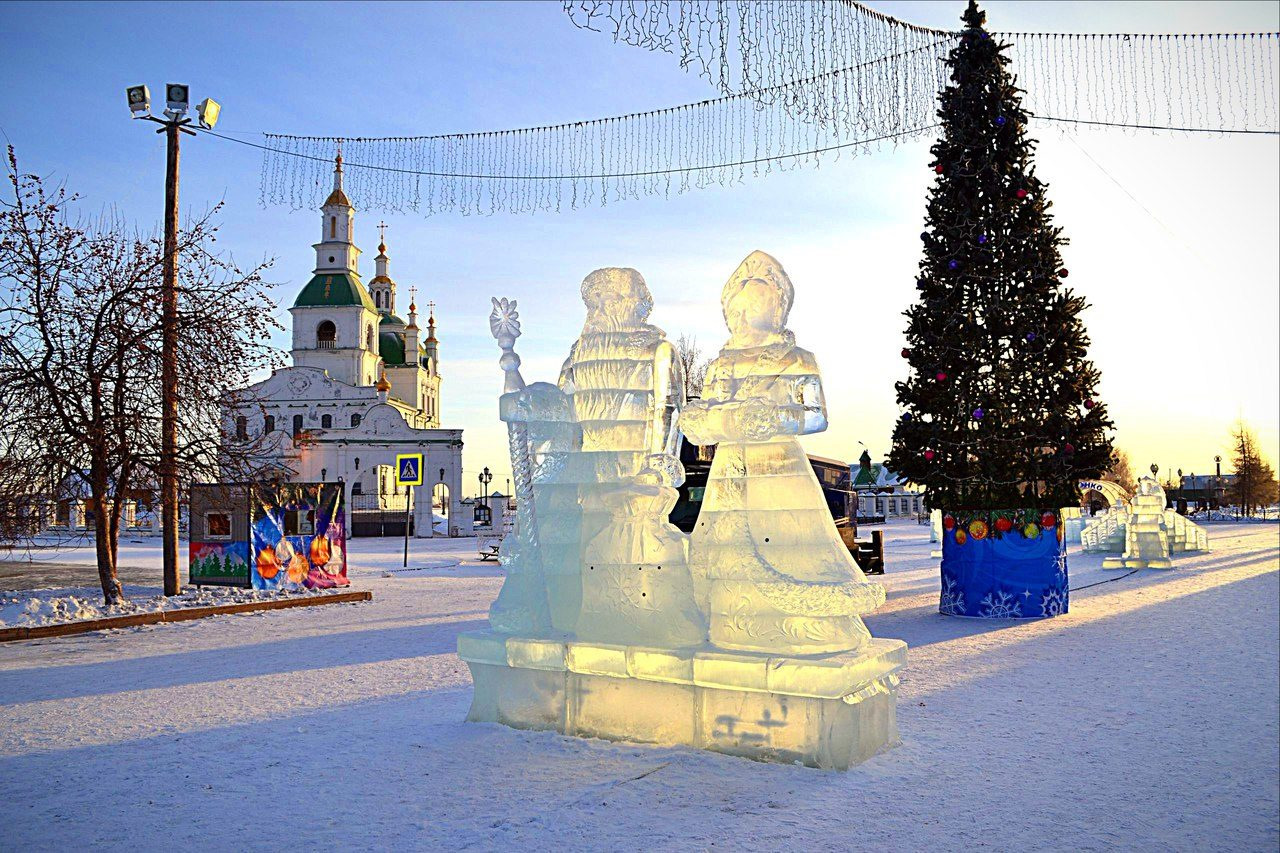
{"x":1144,"y":719}
{"x":32,"y":608}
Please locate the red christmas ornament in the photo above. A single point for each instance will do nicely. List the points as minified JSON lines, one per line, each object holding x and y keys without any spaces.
{"x":941,"y":377}
{"x":906,"y":353}
{"x":1062,"y":273}
{"x":1048,"y":520}
{"x":1022,"y":193}
{"x":1003,"y":524}
{"x":1089,"y":404}
{"x":928,"y":455}
{"x":938,"y":168}
{"x":948,"y":522}
{"x":1068,"y":448}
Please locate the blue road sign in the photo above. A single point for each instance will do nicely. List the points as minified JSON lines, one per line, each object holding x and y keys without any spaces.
{"x":409,"y":469}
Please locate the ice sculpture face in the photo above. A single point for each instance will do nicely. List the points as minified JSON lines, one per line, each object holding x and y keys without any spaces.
{"x":756,"y":301}
{"x":616,"y":298}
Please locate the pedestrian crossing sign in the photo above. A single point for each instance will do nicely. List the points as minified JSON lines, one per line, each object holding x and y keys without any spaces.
{"x":409,"y":469}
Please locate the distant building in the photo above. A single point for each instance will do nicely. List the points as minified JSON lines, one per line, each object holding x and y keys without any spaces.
{"x":1201,"y":491}
{"x":881,"y":494}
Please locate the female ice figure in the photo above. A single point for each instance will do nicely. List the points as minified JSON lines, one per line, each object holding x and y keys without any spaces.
{"x":773,"y":573}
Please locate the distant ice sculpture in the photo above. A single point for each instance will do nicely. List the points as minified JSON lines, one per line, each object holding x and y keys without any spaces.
{"x":747,"y":639}
{"x":778,"y":577}
{"x":1140,"y":528}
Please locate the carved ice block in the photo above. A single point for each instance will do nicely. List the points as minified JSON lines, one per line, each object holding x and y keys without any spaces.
{"x":830,"y":712}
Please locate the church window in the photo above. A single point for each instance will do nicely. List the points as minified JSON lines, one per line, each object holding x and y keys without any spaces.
{"x":368,"y":337}
{"x":357,"y":458}
{"x":326,"y":335}
{"x":324,"y":474}
{"x":326,"y":421}
{"x":297,"y":424}
{"x":357,"y":489}
{"x":242,"y":427}
{"x":269,"y":423}
{"x":333,"y":228}
{"x":355,"y":422}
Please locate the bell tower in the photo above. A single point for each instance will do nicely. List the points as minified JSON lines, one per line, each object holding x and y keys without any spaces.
{"x":336,"y":252}
{"x":381,"y":287}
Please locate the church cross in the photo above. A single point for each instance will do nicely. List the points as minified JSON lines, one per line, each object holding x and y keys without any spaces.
{"x":382,"y":232}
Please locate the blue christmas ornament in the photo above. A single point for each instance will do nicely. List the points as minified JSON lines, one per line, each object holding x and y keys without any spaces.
{"x":921,"y":283}
{"x":978,"y":413}
{"x":982,"y":238}
{"x":953,"y":264}
{"x":1000,"y":120}
{"x":924,"y":235}
{"x":906,"y":417}
{"x":1031,"y":336}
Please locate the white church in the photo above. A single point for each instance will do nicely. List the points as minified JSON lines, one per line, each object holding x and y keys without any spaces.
{"x":364,"y":387}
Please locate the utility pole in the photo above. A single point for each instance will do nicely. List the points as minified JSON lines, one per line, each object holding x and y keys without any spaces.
{"x":177,"y":98}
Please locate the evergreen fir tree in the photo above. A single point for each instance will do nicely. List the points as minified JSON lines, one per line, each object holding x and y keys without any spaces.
{"x":999,"y":409}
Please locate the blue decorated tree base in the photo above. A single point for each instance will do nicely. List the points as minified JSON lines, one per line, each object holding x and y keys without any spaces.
{"x":1003,"y":564}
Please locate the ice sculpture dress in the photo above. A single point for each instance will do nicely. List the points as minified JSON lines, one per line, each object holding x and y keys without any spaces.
{"x":773,"y":573}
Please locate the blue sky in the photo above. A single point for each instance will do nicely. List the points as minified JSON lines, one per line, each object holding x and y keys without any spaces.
{"x":1184,"y":293}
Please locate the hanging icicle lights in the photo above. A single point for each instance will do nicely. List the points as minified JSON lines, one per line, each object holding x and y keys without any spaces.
{"x":801,"y":82}
{"x":1197,"y":81}
{"x":720,"y":141}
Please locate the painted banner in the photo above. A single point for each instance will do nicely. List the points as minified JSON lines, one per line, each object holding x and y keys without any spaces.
{"x":1003,"y":564}
{"x":298,"y":536}
{"x":219,"y":563}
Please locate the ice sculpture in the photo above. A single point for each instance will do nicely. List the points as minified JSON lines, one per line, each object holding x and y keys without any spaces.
{"x":778,"y":577}
{"x":611,"y":622}
{"x":1152,"y":533}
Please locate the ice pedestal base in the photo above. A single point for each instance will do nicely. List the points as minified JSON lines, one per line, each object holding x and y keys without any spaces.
{"x":830,"y":711}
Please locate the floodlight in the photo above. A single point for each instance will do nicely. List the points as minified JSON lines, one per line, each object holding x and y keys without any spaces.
{"x":208,"y":110}
{"x":178,"y":98}
{"x":139,"y":99}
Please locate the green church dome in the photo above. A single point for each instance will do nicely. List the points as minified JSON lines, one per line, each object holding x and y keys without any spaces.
{"x":334,"y":289}
{"x":391,"y":348}
{"x":390,"y":318}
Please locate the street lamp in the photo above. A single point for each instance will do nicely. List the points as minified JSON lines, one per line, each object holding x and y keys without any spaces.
{"x":175,"y":122}
{"x":485,"y":479}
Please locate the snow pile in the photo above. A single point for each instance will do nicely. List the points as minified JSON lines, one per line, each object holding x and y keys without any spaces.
{"x":36,"y":607}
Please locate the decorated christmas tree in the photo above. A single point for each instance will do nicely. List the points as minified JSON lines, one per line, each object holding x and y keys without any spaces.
{"x":999,"y":410}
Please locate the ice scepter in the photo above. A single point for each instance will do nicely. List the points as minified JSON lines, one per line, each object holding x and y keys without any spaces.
{"x":504,"y":323}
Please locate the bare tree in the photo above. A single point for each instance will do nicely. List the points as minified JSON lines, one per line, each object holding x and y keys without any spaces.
{"x":1255,"y":485}
{"x":693,"y":366}
{"x":1121,"y":471}
{"x":80,"y":366}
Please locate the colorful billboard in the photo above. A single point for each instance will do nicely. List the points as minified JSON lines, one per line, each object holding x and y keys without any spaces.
{"x":297,"y":536}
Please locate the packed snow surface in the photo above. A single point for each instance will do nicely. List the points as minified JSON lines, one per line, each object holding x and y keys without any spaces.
{"x":1146,"y":718}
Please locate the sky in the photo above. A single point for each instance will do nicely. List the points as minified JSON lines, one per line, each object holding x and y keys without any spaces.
{"x":1173,"y":239}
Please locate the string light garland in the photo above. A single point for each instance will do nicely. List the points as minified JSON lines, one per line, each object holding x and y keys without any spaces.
{"x":802,"y":83}
{"x":1178,"y":79}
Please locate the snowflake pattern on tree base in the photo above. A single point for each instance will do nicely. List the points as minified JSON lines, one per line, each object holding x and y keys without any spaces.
{"x":1003,"y":564}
